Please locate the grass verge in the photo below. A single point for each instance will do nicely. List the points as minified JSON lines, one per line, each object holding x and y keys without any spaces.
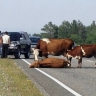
{"x":13,"y":82}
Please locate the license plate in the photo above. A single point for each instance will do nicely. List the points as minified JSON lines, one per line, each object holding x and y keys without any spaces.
{"x":23,"y":46}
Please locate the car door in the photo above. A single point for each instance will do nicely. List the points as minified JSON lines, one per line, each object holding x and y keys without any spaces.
{"x":23,"y":42}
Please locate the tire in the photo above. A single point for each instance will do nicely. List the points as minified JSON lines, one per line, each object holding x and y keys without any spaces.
{"x":27,"y":54}
{"x":17,"y":54}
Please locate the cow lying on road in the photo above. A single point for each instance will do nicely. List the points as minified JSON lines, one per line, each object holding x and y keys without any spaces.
{"x":50,"y":63}
{"x":81,"y":51}
{"x":54,"y":47}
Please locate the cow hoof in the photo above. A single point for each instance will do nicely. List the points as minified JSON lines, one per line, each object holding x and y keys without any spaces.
{"x":79,"y":67}
{"x":68,"y":66}
{"x":95,"y":65}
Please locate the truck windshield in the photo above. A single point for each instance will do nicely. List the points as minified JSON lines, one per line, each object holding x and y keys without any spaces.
{"x":14,"y":36}
{"x":34,"y":40}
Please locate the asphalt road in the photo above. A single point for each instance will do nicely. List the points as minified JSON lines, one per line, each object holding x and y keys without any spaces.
{"x":63,"y":81}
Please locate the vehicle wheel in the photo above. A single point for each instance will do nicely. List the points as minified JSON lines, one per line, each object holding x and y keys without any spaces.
{"x":27,"y":55}
{"x":17,"y":54}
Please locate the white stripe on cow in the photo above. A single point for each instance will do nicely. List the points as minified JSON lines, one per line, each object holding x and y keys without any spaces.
{"x":69,"y":56}
{"x":83,"y":51}
{"x":77,"y":57}
{"x":46,"y":40}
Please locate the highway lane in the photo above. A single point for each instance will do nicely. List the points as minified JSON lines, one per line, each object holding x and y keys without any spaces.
{"x":63,"y":81}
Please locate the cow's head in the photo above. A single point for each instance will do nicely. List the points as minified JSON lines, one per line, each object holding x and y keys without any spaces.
{"x":67,"y":54}
{"x":35,"y":53}
{"x":34,"y":65}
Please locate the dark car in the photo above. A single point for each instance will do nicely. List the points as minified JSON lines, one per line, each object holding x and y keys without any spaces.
{"x":20,"y":44}
{"x":34,"y":40}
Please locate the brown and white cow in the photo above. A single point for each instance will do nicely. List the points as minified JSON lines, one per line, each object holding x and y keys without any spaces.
{"x":50,"y":63}
{"x":81,"y":51}
{"x":54,"y":47}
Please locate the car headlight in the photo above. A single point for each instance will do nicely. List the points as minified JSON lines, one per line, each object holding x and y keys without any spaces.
{"x":13,"y":45}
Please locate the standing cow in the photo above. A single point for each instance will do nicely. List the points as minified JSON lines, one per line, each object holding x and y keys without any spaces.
{"x":54,"y":47}
{"x":81,"y":51}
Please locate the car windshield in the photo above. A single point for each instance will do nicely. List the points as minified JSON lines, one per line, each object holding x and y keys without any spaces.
{"x":14,"y":36}
{"x":35,"y":40}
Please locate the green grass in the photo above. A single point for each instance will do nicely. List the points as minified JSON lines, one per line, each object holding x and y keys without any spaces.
{"x":13,"y":82}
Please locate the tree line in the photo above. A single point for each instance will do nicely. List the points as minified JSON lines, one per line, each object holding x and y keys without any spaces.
{"x":75,"y":30}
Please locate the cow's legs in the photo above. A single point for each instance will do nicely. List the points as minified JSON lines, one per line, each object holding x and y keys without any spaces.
{"x":45,"y":54}
{"x":69,"y":60}
{"x":80,"y":63}
{"x":95,"y":64}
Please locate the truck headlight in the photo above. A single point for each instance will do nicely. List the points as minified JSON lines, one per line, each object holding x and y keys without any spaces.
{"x":14,"y":44}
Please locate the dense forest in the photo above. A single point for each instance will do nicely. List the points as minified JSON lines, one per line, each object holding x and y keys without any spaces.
{"x":80,"y":33}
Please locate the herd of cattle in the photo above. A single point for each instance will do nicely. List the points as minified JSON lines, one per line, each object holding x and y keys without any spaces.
{"x":58,"y":47}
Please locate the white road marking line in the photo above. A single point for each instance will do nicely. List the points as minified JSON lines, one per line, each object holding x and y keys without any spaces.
{"x":57,"y":81}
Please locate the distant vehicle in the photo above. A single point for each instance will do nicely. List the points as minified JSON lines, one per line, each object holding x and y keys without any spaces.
{"x":34,"y":40}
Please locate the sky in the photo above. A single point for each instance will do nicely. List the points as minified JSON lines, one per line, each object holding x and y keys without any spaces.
{"x":31,"y":15}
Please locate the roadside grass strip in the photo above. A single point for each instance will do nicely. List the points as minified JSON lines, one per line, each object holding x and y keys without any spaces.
{"x":13,"y":82}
